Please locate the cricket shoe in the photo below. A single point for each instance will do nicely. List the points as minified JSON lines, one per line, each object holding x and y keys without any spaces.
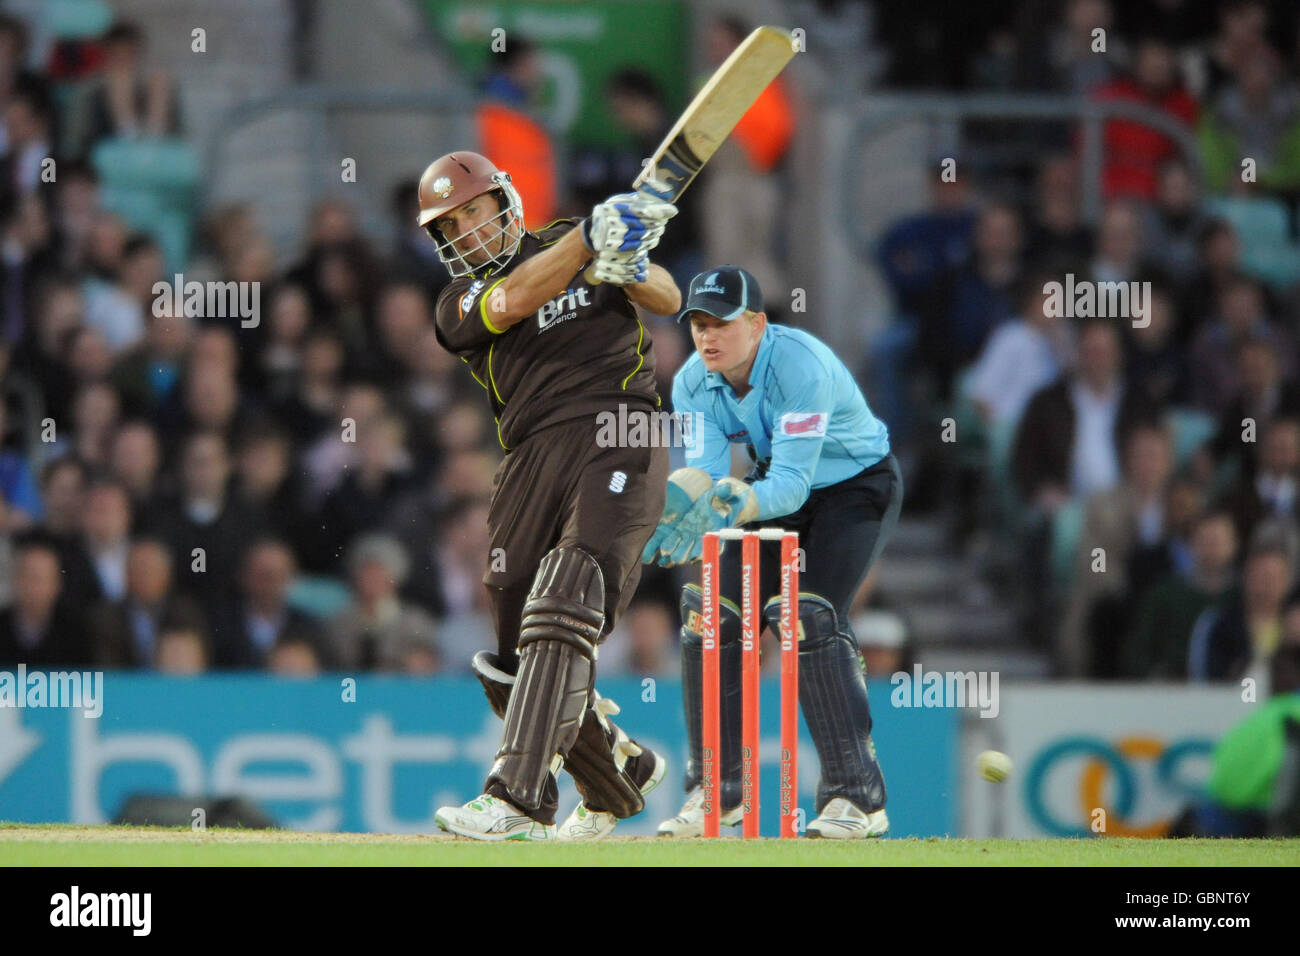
{"x":841,"y":820}
{"x":689,"y":821}
{"x":584,"y":825}
{"x":491,"y":818}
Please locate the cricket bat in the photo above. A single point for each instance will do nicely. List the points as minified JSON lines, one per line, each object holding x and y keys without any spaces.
{"x":715,"y":111}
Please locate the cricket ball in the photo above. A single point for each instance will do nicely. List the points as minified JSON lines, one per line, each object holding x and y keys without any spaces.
{"x":994,"y":765}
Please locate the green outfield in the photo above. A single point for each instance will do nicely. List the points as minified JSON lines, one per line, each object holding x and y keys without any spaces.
{"x":22,"y":845}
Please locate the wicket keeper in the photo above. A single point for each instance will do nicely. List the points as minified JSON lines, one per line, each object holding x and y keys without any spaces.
{"x":822,"y":467}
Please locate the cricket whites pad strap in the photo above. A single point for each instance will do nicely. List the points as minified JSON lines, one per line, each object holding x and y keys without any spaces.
{"x":729,"y":718}
{"x":497,"y":684}
{"x":542,"y":718}
{"x":598,"y":763}
{"x":566,"y":603}
{"x":833,"y":697}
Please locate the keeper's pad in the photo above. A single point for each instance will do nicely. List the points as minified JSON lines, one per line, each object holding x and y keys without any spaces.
{"x":833,"y":696}
{"x":692,"y":608}
{"x":562,"y":621}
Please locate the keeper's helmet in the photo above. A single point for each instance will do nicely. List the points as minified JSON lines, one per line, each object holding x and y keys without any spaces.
{"x":454,"y":180}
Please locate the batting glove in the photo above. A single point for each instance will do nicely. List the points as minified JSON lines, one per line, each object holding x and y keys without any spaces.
{"x":621,"y":268}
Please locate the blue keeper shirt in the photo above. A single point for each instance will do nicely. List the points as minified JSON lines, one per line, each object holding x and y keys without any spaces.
{"x":804,"y":419}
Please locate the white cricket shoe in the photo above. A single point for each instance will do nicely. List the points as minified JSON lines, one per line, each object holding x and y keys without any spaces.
{"x":490,"y":818}
{"x":587,"y":825}
{"x":689,"y":821}
{"x":841,"y":820}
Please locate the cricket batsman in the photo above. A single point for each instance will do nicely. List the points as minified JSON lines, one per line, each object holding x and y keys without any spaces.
{"x":823,"y":468}
{"x":568,"y":519}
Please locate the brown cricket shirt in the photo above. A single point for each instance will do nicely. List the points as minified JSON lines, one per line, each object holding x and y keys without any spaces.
{"x":583,"y":352}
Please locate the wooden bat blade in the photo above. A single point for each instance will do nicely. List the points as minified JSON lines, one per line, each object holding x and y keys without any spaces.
{"x":717,"y":108}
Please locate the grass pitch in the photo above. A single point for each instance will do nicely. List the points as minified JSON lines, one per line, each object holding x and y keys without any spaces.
{"x":78,"y":846}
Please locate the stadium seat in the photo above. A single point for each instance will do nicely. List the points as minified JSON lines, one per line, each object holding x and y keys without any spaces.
{"x":1266,"y":248}
{"x":152,"y":184}
{"x":321,"y":597}
{"x":1191,"y":430}
{"x":1067,"y":527}
{"x":77,"y":19}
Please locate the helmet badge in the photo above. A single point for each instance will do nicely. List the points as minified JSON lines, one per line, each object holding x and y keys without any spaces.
{"x":442,"y":187}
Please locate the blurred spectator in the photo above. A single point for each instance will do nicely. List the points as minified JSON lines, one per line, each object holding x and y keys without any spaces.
{"x":1168,"y":615}
{"x":113,"y":306}
{"x":1120,"y":255}
{"x":247,"y":628}
{"x":967,"y":303}
{"x":455,"y":565}
{"x":76,"y":206}
{"x":1261,"y":395}
{"x":1256,"y":117}
{"x":107,"y":524}
{"x":1065,"y":60}
{"x":95,"y":414}
{"x":1239,"y":634}
{"x":645,"y":644}
{"x":741,"y":192}
{"x":1119,"y":524}
{"x":378,"y":631}
{"x":1271,"y":491}
{"x":125,"y":632}
{"x":147,"y":375}
{"x":129,"y":103}
{"x":38,"y":629}
{"x":310,"y":409}
{"x":28,"y":122}
{"x":1242,"y":32}
{"x":335,"y":448}
{"x":1215,"y":355}
{"x":18,"y":490}
{"x":266,"y":482}
{"x":884,"y":642}
{"x":1134,"y":152}
{"x":279,"y":362}
{"x":1068,"y":443}
{"x":510,"y":137}
{"x":1058,"y":238}
{"x":27,"y":256}
{"x":1219,"y":265}
{"x":135,"y":459}
{"x":181,"y":652}
{"x":206,"y":527}
{"x":403,"y":315}
{"x":1174,"y":223}
{"x":414,"y":258}
{"x":1022,"y":356}
{"x":1156,"y":362}
{"x":59,"y":311}
{"x":63,"y":494}
{"x":294,"y":656}
{"x":361,"y":501}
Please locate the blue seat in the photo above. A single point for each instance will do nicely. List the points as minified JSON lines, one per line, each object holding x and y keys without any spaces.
{"x":77,"y":19}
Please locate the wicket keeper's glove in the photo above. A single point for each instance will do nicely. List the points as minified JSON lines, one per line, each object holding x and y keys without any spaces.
{"x":731,"y":503}
{"x":685,"y":486}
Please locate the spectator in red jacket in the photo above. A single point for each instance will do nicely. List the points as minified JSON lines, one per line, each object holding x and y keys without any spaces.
{"x":1134,"y":151}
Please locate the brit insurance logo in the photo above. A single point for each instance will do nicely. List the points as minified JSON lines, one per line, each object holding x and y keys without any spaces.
{"x":562,"y":308}
{"x":467,"y":300}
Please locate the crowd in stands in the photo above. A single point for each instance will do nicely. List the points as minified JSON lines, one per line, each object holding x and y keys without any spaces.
{"x":309,"y":492}
{"x":1138,"y":473}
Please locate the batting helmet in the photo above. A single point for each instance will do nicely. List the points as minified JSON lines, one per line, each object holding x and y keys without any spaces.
{"x":454,"y":180}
